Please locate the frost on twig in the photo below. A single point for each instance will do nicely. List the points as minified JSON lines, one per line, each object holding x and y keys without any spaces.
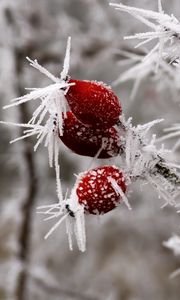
{"x":142,"y":67}
{"x":163,"y":28}
{"x":171,"y":132}
{"x":70,"y":211}
{"x":160,"y":59}
{"x":143,"y":160}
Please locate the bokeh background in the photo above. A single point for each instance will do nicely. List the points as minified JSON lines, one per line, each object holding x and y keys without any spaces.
{"x":125,"y":258}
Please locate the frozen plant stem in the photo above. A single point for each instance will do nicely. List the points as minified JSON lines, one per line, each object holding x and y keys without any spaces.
{"x":144,"y":160}
{"x":167,"y":173}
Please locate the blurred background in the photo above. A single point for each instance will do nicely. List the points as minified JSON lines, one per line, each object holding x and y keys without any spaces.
{"x":125,"y":258}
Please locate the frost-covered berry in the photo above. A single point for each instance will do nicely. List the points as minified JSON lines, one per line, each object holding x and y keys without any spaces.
{"x":93,"y":103}
{"x":89,"y":141}
{"x":100,"y":190}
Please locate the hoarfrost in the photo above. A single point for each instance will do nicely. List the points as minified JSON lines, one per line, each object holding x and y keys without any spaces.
{"x":144,"y":161}
{"x":162,"y":60}
{"x":173,"y":243}
{"x":72,"y":212}
{"x":52,"y":107}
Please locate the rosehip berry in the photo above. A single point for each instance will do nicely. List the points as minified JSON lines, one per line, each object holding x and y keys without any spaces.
{"x":93,"y":103}
{"x":87,"y":141}
{"x":95,"y":190}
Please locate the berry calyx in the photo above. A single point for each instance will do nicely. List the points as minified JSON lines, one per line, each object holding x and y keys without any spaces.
{"x":96,"y":191}
{"x":89,"y":141}
{"x":93,"y":103}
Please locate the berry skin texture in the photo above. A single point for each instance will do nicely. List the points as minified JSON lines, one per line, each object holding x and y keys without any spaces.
{"x":93,"y":103}
{"x":95,"y":190}
{"x":87,"y":141}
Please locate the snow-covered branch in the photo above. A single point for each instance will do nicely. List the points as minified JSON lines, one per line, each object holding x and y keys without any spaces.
{"x":143,"y":160}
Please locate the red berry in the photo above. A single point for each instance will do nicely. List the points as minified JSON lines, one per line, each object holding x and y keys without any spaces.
{"x":86,"y":140}
{"x":93,"y":103}
{"x":95,"y":190}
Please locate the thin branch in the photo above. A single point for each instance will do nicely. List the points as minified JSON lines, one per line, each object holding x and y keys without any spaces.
{"x":29,"y":200}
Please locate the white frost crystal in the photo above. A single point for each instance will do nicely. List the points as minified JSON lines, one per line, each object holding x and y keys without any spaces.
{"x":162,"y":60}
{"x":164,"y":28}
{"x":72,"y":212}
{"x":143,"y":160}
{"x":173,"y":243}
{"x":47,"y":119}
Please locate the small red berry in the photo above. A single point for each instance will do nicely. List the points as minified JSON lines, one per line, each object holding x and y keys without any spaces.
{"x":95,"y":190}
{"x":87,"y":141}
{"x":93,"y":103}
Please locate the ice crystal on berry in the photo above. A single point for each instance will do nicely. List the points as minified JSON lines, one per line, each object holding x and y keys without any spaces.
{"x":96,"y":192}
{"x":53,"y":101}
{"x":70,"y":211}
{"x":47,"y":119}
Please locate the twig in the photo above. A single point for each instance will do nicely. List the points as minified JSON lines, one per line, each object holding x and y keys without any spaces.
{"x":28,"y":201}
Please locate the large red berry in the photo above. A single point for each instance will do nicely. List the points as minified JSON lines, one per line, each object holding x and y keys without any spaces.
{"x":95,"y":190}
{"x":87,"y":141}
{"x":93,"y":103}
